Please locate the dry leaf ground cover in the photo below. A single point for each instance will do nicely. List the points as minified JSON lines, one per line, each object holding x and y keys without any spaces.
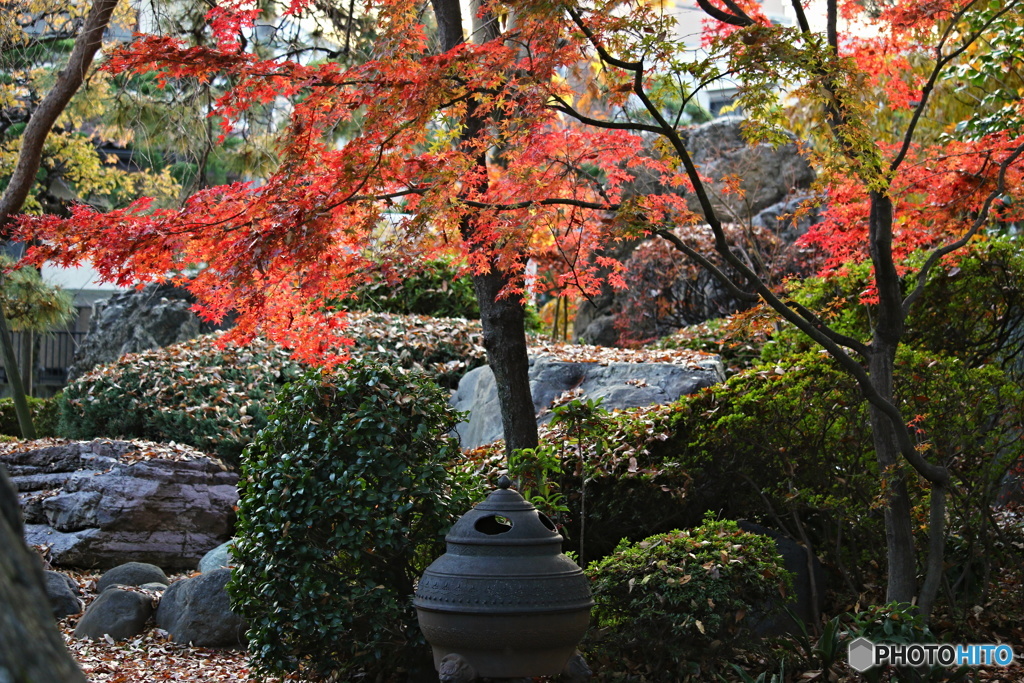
{"x":151,"y":656}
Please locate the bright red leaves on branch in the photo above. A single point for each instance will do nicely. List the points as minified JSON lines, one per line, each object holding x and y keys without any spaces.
{"x":388,"y":137}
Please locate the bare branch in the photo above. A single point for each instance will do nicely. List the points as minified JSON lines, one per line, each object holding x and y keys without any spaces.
{"x":738,"y":19}
{"x":801,"y":16}
{"x":832,"y":24}
{"x":569,"y":110}
{"x":554,"y":201}
{"x":706,"y":263}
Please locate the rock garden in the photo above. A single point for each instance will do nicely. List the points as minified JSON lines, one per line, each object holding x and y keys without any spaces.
{"x":193,"y":485}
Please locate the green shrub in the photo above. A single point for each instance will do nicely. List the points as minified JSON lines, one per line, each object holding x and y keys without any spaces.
{"x":789,"y":444}
{"x":436,"y":288}
{"x":899,"y":623}
{"x":215,"y":399}
{"x":193,"y":393}
{"x":345,"y":499}
{"x":675,"y":602}
{"x":44,"y":413}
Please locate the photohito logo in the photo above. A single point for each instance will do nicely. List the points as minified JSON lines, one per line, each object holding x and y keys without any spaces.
{"x":864,"y":654}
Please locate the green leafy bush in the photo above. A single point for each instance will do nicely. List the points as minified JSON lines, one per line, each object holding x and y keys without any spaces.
{"x":215,"y":398}
{"x":193,"y":393}
{"x":676,"y":601}
{"x":436,"y":288}
{"x":345,"y":499}
{"x":789,"y":444}
{"x":44,"y":413}
{"x":899,"y":623}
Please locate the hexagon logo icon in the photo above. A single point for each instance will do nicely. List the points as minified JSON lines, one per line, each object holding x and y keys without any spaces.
{"x":862,"y":654}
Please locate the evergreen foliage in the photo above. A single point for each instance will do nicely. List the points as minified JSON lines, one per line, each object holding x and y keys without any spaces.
{"x":44,"y":417}
{"x":216,"y":398}
{"x":345,"y":499}
{"x":682,"y":598}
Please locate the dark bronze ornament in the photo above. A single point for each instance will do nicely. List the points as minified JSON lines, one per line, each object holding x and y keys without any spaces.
{"x":503,"y":599}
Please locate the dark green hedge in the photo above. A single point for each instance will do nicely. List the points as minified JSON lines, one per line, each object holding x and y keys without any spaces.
{"x":345,"y":499}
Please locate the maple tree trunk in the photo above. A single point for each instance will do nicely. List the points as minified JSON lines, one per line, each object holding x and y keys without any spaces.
{"x":887,"y":335}
{"x":899,"y":534}
{"x":504,"y":327}
{"x":503,"y":319}
{"x":31,"y":649}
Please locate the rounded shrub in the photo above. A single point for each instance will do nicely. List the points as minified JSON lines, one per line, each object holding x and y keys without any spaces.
{"x":345,"y":499}
{"x":671,"y":603}
{"x":194,"y":393}
{"x":214,"y":398}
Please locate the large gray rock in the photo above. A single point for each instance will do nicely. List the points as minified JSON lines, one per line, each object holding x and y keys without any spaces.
{"x":620,"y":385}
{"x":136,"y":320}
{"x":600,"y":332}
{"x":131,"y":574}
{"x":218,"y":558}
{"x":62,"y":592}
{"x":197,"y":610}
{"x":118,"y":613}
{"x":96,"y":504}
{"x":767,"y":174}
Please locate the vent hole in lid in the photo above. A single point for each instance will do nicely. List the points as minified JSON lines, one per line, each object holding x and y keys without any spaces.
{"x":493,"y":525}
{"x":546,"y":521}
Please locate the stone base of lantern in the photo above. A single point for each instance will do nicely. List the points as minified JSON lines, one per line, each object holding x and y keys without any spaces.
{"x":506,"y":645}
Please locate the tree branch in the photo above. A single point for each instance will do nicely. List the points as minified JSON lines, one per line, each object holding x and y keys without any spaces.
{"x":46,"y":114}
{"x":553,"y":201}
{"x":705,"y":263}
{"x":738,"y":19}
{"x":821,"y":334}
{"x":801,"y":16}
{"x":940,"y":64}
{"x":979,"y":222}
{"x":569,"y":110}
